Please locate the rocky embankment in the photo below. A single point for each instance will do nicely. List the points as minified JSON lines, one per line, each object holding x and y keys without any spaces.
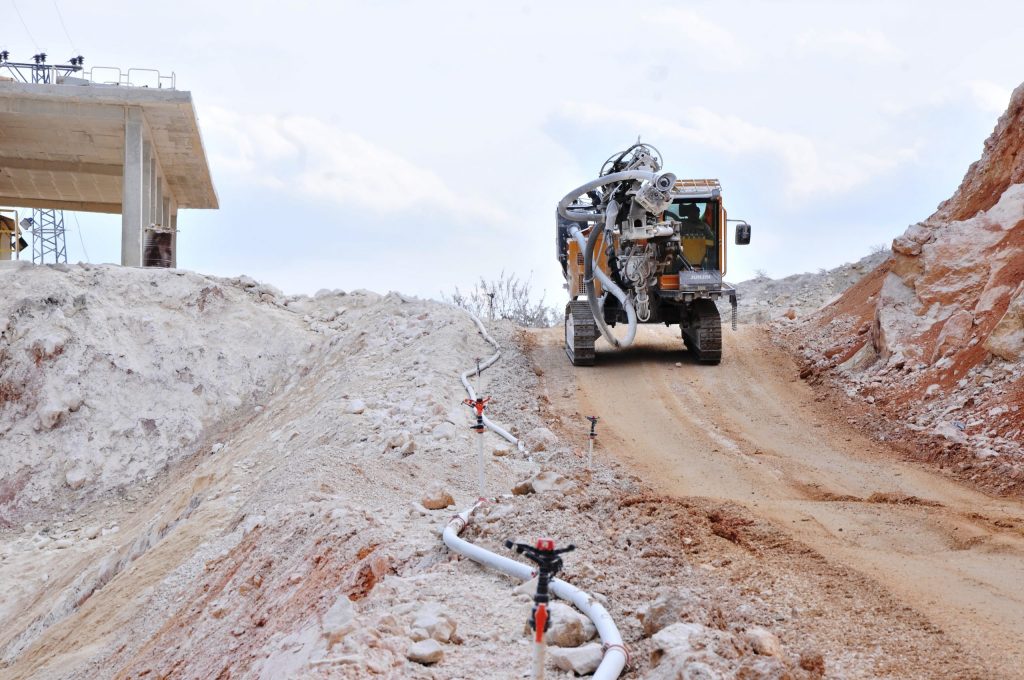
{"x":110,"y":376}
{"x":763,"y":299}
{"x":931,"y":341}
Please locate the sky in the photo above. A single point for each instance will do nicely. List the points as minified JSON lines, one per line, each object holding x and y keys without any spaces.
{"x":417,"y":146}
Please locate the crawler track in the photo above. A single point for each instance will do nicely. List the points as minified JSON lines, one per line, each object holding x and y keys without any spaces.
{"x":580,"y":333}
{"x":703,"y":333}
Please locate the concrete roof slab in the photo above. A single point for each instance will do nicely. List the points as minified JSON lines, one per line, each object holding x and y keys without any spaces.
{"x":63,"y":145}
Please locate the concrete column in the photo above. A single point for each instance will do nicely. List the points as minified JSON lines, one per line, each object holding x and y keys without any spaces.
{"x":174,"y":235}
{"x":147,"y":186}
{"x":165,"y":212}
{"x":147,"y":194}
{"x":157,"y":188}
{"x":132,"y":189}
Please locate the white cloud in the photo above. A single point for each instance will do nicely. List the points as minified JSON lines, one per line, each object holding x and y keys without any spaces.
{"x":984,"y":95}
{"x":808,"y":172}
{"x":686,"y":27}
{"x":988,"y":96}
{"x":868,"y":46}
{"x":307,"y":156}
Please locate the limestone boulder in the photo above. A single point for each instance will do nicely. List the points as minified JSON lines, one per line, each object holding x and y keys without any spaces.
{"x":671,"y":605}
{"x":763,"y":668}
{"x":682,"y":651}
{"x":433,"y":623}
{"x":76,"y":476}
{"x":763,"y":642}
{"x":677,"y":640}
{"x":1006,"y":340}
{"x":549,"y":480}
{"x":909,"y":244}
{"x":544,"y":481}
{"x":444,"y":431}
{"x":337,"y":622}
{"x":955,"y":333}
{"x":426,"y":652}
{"x":540,"y":439}
{"x":569,"y":627}
{"x":582,"y":660}
{"x":437,"y":498}
{"x":401,"y":441}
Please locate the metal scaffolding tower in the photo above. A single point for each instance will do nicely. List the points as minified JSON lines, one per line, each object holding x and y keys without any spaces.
{"x":47,"y":229}
{"x":45,"y":225}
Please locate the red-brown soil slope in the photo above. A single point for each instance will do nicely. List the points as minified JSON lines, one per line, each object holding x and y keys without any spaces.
{"x":933,"y":339}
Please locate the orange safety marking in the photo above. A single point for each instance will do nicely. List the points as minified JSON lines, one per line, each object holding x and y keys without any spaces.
{"x":540,"y":621}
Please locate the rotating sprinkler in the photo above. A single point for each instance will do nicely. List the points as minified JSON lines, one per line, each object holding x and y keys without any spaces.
{"x":549,"y":563}
{"x":593,"y":435}
{"x":478,"y":405}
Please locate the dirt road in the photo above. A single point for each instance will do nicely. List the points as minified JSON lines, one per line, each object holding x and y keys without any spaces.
{"x":749,"y":431}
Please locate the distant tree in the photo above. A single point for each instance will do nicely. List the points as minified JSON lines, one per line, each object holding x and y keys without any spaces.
{"x":879,"y":248}
{"x":760,"y":274}
{"x":508,"y":297}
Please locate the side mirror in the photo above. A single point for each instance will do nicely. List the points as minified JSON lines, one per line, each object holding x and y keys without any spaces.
{"x":742,"y":234}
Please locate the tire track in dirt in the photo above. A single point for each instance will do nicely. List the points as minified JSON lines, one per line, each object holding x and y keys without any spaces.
{"x":750,"y":432}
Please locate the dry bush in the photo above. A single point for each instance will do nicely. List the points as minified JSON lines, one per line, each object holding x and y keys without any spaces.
{"x":508,"y":297}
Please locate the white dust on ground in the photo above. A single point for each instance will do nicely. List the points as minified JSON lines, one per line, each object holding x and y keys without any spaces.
{"x":109,"y":376}
{"x":272,"y":523}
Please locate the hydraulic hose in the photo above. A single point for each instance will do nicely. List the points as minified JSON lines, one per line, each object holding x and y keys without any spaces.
{"x":587,"y":246}
{"x":627,"y":304}
{"x":589,"y":272}
{"x":574,"y":231}
{"x":615,"y":655}
{"x":578,"y":216}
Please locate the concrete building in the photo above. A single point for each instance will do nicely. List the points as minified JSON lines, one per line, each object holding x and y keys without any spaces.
{"x":130,"y":150}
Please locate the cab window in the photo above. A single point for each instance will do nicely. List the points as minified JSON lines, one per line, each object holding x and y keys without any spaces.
{"x":698,"y":235}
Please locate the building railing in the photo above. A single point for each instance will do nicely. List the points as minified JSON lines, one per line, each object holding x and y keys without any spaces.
{"x":133,"y":77}
{"x":75,"y":72}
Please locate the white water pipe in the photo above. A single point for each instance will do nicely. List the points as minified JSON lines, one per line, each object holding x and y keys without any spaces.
{"x":488,"y":423}
{"x":615,"y":655}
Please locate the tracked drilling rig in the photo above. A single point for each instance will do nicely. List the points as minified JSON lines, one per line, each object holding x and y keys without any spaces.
{"x":642,"y":246}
